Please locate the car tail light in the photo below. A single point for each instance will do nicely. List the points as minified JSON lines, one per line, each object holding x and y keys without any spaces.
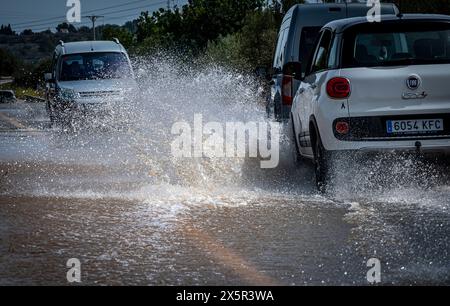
{"x":342,"y":127}
{"x":338,"y":88}
{"x":286,"y":90}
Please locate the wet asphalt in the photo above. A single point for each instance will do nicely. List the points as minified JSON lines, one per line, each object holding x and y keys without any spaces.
{"x":134,"y":217}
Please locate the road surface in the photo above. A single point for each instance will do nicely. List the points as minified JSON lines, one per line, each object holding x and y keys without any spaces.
{"x":133,"y":216}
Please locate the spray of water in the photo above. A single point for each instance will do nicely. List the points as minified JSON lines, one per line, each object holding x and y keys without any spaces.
{"x":138,"y":147}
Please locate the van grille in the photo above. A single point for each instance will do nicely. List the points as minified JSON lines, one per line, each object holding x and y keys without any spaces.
{"x":99,"y":94}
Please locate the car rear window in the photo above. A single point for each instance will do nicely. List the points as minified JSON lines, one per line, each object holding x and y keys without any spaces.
{"x":401,"y":43}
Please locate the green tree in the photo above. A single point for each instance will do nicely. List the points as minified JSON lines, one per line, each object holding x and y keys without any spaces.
{"x":195,"y":24}
{"x":28,"y":75}
{"x":250,"y":47}
{"x":85,"y":30}
{"x":227,"y":51}
{"x":8,"y":63}
{"x":27,"y":32}
{"x":6,"y":30}
{"x":287,"y":4}
{"x":131,"y":26}
{"x":69,"y":27}
{"x":145,"y":26}
{"x":123,"y":35}
{"x":259,"y":36}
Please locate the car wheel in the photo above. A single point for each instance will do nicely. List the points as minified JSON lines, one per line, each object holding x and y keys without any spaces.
{"x":277,"y":111}
{"x":51,"y":114}
{"x":68,"y":123}
{"x":322,"y":162}
{"x":269,"y":109}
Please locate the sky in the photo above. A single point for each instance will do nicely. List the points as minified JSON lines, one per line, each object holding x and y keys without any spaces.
{"x":40,"y":15}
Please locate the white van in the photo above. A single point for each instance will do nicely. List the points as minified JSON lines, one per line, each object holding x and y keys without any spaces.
{"x":88,"y":78}
{"x":298,"y":32}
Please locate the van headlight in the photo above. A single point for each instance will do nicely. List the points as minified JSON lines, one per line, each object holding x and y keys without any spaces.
{"x":67,"y":94}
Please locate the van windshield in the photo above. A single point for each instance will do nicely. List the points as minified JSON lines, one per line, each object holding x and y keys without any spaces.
{"x":400,"y":44}
{"x":97,"y":65}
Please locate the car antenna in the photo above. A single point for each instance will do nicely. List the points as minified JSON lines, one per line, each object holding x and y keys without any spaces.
{"x":116,"y":40}
{"x":61,"y":43}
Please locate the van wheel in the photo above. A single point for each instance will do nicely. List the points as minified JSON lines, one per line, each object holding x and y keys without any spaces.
{"x":68,"y":124}
{"x":296,"y":152}
{"x":276,"y":113}
{"x":269,"y":109}
{"x":50,"y":113}
{"x":322,"y":162}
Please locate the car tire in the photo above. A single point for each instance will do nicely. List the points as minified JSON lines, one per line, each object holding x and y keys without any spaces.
{"x":277,"y":111}
{"x":276,"y":107}
{"x":67,"y":123}
{"x":322,"y":163}
{"x":269,"y":109}
{"x":51,"y":114}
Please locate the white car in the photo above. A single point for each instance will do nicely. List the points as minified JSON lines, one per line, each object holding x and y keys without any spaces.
{"x":382,"y":86}
{"x":298,"y":31}
{"x":89,"y":79}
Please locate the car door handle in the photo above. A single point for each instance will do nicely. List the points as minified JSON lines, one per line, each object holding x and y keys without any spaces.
{"x":301,"y":90}
{"x":313,"y":86}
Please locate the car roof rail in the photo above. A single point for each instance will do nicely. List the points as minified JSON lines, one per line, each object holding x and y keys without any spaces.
{"x":116,"y":40}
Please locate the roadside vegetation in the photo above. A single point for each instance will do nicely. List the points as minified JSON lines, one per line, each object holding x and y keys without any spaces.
{"x":237,"y":33}
{"x":22,"y":92}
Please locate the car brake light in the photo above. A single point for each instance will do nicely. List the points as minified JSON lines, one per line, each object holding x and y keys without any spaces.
{"x":342,"y":127}
{"x":286,"y":90}
{"x":338,"y":88}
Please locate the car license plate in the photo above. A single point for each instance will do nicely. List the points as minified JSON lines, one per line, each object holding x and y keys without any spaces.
{"x":415,"y":126}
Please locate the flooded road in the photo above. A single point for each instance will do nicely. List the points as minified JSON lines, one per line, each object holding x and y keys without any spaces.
{"x":133,"y":215}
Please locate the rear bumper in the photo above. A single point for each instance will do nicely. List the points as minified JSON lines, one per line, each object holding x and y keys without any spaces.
{"x":407,"y":148}
{"x":375,"y":128}
{"x":438,"y":147}
{"x":369,"y":134}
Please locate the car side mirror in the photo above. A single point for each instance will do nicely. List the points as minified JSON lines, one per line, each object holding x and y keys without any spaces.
{"x":293,"y":69}
{"x":48,"y":77}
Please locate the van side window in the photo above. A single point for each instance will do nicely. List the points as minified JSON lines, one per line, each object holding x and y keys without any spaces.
{"x":308,"y":38}
{"x":283,"y":47}
{"x":276,"y":59}
{"x":320,"y":61}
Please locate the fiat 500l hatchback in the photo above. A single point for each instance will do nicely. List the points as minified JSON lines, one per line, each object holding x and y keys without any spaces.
{"x":382,"y":86}
{"x":298,"y":32}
